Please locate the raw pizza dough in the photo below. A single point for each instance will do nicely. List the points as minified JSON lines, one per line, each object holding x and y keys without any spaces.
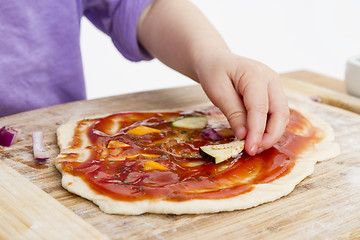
{"x":261,"y":193}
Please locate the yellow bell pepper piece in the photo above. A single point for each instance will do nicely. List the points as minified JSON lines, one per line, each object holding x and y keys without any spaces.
{"x":143,"y":154}
{"x":151,"y":165}
{"x":117,"y":144}
{"x":141,"y":130}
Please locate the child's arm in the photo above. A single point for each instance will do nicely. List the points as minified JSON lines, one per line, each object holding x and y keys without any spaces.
{"x":247,"y":92}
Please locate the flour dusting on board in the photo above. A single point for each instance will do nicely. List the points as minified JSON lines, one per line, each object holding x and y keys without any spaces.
{"x":353,"y":176}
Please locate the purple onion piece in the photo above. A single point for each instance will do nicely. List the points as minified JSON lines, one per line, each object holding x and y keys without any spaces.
{"x":211,"y":133}
{"x":316,"y":99}
{"x":8,"y":136}
{"x":40,"y":153}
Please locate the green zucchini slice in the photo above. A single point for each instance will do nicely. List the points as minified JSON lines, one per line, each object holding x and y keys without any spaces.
{"x":191,"y":122}
{"x":221,"y":152}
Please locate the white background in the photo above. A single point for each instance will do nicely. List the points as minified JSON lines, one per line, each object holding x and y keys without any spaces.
{"x":287,"y":35}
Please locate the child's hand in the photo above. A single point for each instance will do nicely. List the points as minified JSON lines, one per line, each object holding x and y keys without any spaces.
{"x":249,"y":94}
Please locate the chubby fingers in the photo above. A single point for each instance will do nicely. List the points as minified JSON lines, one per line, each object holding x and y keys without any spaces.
{"x":254,"y":104}
{"x":222,"y":93}
{"x":278,"y":115}
{"x":268,"y":113}
{"x":256,"y":101}
{"x":247,"y":112}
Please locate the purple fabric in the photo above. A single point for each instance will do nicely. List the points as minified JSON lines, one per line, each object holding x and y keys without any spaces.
{"x":40,"y":59}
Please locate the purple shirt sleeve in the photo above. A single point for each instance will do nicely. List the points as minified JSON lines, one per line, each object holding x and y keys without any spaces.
{"x":40,"y":63}
{"x":119,"y":19}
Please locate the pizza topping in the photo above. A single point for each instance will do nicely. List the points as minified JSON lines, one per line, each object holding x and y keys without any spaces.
{"x":151,"y":165}
{"x":211,"y":133}
{"x":226,"y":132}
{"x":117,"y":144}
{"x":221,"y":152}
{"x":142,"y":130}
{"x":191,"y":122}
{"x":40,"y":153}
{"x":8,"y":136}
{"x":144,"y":155}
{"x":194,"y":163}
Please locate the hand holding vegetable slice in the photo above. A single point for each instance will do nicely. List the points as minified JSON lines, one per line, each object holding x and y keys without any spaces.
{"x":39,"y":150}
{"x":222,"y":152}
{"x":8,"y":136}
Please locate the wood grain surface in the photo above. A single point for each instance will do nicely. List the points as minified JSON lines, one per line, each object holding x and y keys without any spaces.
{"x":317,"y":80}
{"x":325,"y":205}
{"x":35,"y":214}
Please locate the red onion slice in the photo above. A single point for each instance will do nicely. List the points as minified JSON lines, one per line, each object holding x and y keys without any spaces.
{"x":8,"y":136}
{"x":316,"y":99}
{"x":211,"y":133}
{"x":39,"y":150}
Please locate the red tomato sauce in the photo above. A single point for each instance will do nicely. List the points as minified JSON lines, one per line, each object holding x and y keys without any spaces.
{"x":119,"y":173}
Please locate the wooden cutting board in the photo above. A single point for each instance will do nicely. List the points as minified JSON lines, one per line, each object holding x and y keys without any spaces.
{"x":33,"y":204}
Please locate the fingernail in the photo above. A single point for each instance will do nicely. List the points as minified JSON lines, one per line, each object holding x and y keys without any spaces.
{"x":253,"y":150}
{"x":260,"y":150}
